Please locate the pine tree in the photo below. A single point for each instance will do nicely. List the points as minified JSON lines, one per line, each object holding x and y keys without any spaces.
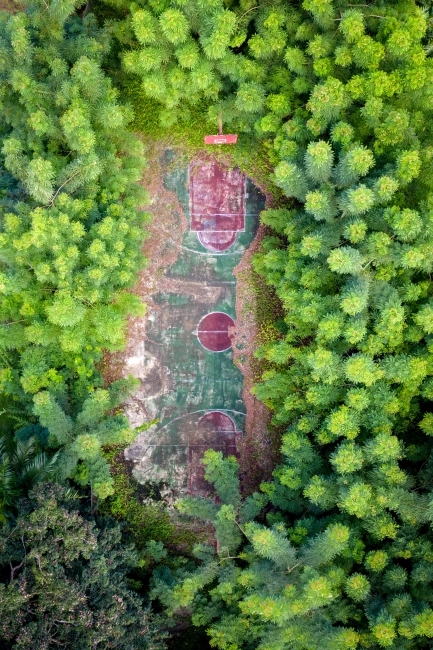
{"x":80,"y":437}
{"x":77,"y":167}
{"x":220,"y":56}
{"x":70,"y":230}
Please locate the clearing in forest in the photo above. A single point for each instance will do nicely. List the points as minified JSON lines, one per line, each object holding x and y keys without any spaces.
{"x":205,"y":216}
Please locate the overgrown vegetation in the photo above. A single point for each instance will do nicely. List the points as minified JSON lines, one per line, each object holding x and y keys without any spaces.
{"x":146,"y":519}
{"x":337,"y":551}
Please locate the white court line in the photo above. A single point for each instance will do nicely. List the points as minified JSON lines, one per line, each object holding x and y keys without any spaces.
{"x":207,"y":253}
{"x":227,"y":416}
{"x":211,"y":410}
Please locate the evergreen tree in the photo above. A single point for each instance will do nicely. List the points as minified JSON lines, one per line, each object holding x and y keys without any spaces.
{"x":342,"y":555}
{"x":71,"y":246}
{"x":70,"y":230}
{"x":80,"y":437}
{"x":221,"y":56}
{"x":318,"y":583}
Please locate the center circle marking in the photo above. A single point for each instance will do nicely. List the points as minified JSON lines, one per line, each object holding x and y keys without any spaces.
{"x":212,"y":331}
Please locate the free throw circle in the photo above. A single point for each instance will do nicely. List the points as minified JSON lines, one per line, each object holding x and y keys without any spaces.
{"x":216,"y":241}
{"x":220,"y":422}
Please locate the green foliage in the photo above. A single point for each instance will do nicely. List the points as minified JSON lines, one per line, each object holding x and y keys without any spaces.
{"x":354,"y":279}
{"x":215,"y":55}
{"x":261,"y":590}
{"x":148,"y":522}
{"x":64,"y":580}
{"x":309,"y":585}
{"x":70,"y":231}
{"x":81,"y":438}
{"x":22,"y":465}
{"x":342,"y":557}
{"x":72,"y":248}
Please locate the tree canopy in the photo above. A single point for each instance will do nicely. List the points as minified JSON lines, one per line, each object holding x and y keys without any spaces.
{"x":64,"y":580}
{"x":71,"y":233}
{"x":337,"y":550}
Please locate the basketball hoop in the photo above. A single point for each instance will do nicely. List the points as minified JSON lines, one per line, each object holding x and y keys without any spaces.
{"x":228,"y":138}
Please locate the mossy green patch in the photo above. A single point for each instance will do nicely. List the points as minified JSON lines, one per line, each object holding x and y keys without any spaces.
{"x":145,"y":521}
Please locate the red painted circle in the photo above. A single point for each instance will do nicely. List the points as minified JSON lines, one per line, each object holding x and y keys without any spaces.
{"x":216,"y":241}
{"x":213,"y":333}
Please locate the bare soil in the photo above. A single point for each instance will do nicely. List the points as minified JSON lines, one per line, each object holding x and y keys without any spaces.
{"x":11,"y":6}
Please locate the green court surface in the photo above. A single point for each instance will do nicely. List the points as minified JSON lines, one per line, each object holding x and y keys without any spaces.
{"x":182,"y":381}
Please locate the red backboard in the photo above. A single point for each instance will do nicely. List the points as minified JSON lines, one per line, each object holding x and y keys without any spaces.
{"x":228,"y":138}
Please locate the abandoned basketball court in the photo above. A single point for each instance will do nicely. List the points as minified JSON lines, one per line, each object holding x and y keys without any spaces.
{"x":184,"y":359}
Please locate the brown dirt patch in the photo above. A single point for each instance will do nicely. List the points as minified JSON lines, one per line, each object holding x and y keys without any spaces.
{"x":258,"y":450}
{"x":11,"y":6}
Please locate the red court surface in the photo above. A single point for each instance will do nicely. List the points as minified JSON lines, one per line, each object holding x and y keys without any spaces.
{"x":212,"y":331}
{"x":220,"y":422}
{"x":217,"y":199}
{"x":220,"y":433}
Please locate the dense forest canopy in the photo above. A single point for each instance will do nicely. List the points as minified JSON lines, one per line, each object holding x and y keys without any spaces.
{"x":70,"y":231}
{"x":337,"y":550}
{"x":68,"y":582}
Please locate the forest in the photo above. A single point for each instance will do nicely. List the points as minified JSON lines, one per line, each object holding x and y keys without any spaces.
{"x":332,"y":101}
